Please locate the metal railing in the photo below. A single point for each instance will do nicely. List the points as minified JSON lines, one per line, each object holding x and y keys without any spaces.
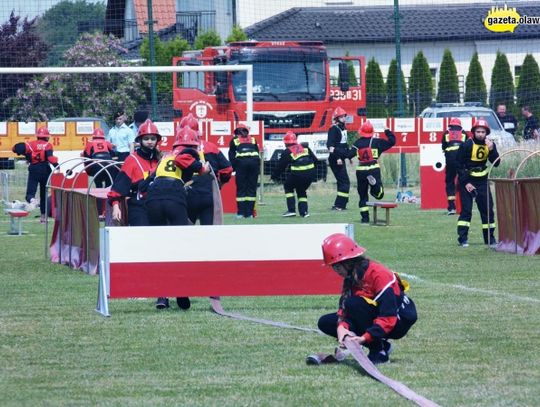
{"x":189,"y":24}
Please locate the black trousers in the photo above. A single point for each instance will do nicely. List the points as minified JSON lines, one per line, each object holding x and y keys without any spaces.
{"x":163,"y":212}
{"x":483,"y":194}
{"x":201,"y":207}
{"x":247,"y":176}
{"x":450,"y":183}
{"x":298,"y":181}
{"x":38,"y":174}
{"x":137,"y":213}
{"x":363,"y":187}
{"x":343,"y":183}
{"x":361,"y":315}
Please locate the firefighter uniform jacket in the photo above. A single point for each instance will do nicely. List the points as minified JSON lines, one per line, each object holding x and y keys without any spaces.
{"x":98,"y":148}
{"x":301,"y":160}
{"x":451,"y":141}
{"x":369,"y":149}
{"x":242,"y":149}
{"x":172,"y":172}
{"x":37,"y":152}
{"x":337,"y":138}
{"x":220,"y":165}
{"x":381,"y":288}
{"x":471,"y":161}
{"x":136,"y":168}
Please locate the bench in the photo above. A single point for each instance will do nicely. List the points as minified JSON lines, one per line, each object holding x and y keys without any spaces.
{"x":16,"y":220}
{"x":213,"y":261}
{"x":384,"y":205}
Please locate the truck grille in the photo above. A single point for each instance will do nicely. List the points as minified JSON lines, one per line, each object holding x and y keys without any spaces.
{"x":279,"y":120}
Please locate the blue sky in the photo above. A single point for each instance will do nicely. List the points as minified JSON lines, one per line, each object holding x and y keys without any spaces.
{"x":30,"y":8}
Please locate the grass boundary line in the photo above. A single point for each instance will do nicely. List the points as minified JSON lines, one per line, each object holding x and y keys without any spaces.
{"x":471,"y":289}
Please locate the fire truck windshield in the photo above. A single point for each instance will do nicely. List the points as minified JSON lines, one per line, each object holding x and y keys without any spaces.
{"x":283,"y":81}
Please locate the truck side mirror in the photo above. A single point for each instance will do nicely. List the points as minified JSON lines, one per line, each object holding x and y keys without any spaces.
{"x":222,"y":87}
{"x":344,"y":76}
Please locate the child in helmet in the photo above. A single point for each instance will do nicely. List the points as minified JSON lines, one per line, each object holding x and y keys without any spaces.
{"x":39,"y":154}
{"x":302,"y":173}
{"x":100,"y":149}
{"x":451,"y":140}
{"x":166,"y":201}
{"x":368,"y":149}
{"x":338,"y":149}
{"x":246,"y":161}
{"x":136,"y":168}
{"x":373,"y":307}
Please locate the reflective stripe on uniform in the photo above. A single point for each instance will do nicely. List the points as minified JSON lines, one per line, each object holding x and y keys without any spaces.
{"x":488,"y":225}
{"x":302,"y":199}
{"x":289,"y":195}
{"x":248,"y":154}
{"x":451,"y":148}
{"x":451,"y":197}
{"x":367,"y":167}
{"x":302,"y":167}
{"x":479,"y":173}
{"x":463,"y":223}
{"x":343,"y":194}
{"x":364,"y":209}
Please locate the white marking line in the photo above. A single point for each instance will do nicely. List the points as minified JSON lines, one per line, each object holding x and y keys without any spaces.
{"x":471,"y":289}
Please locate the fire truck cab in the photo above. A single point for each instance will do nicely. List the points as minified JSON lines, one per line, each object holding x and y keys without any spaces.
{"x":296,"y":87}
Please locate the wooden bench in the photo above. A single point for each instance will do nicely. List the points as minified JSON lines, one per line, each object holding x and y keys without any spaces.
{"x":213,"y":261}
{"x":16,"y":220}
{"x":384,"y":205}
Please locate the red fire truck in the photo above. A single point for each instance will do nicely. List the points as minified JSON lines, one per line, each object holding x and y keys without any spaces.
{"x":296,"y":86}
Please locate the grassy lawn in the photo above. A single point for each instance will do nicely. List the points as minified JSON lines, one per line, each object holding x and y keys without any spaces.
{"x":475,"y":344}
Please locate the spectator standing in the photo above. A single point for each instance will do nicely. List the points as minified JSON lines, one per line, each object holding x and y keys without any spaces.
{"x":452,"y":138}
{"x":39,"y":154}
{"x":121,"y":136}
{"x":373,"y":306}
{"x":530,"y":132}
{"x":368,"y":149}
{"x":302,"y":173}
{"x":139,"y":117}
{"x":508,"y":120}
{"x":338,"y":149}
{"x":471,"y":161}
{"x":246,"y":161}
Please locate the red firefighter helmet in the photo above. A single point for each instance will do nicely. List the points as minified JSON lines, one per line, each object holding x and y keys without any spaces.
{"x":190,"y":121}
{"x":242,"y":129}
{"x":185,"y":136}
{"x":339,"y":112}
{"x":43,"y":132}
{"x":454,"y":121}
{"x":481,"y":123}
{"x":148,"y":128}
{"x":339,"y":247}
{"x":366,"y":129}
{"x":98,"y":133}
{"x":290,"y":138}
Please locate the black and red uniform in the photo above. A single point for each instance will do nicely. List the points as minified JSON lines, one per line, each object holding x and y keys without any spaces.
{"x":39,"y":154}
{"x":100,"y":149}
{"x":246,"y":161}
{"x":375,"y":307}
{"x":337,"y":138}
{"x":368,"y":150}
{"x":302,"y":173}
{"x":135,"y":169}
{"x":200,"y":201}
{"x":451,"y":140}
{"x":166,"y":199}
{"x":471,"y":163}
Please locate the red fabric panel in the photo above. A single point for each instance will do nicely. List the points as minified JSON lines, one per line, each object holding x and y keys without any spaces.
{"x":232,"y":278}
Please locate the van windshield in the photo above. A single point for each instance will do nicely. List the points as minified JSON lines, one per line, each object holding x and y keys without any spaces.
{"x":489,"y":116}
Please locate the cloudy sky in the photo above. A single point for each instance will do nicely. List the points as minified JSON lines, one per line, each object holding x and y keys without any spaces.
{"x":30,"y":8}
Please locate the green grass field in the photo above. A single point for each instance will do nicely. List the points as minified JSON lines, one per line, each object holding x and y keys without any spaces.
{"x":475,"y":344}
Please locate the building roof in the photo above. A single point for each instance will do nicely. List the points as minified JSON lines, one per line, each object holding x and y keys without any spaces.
{"x":376,"y":24}
{"x":163,"y":13}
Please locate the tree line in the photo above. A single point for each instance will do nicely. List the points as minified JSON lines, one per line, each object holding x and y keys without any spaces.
{"x":420,"y":93}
